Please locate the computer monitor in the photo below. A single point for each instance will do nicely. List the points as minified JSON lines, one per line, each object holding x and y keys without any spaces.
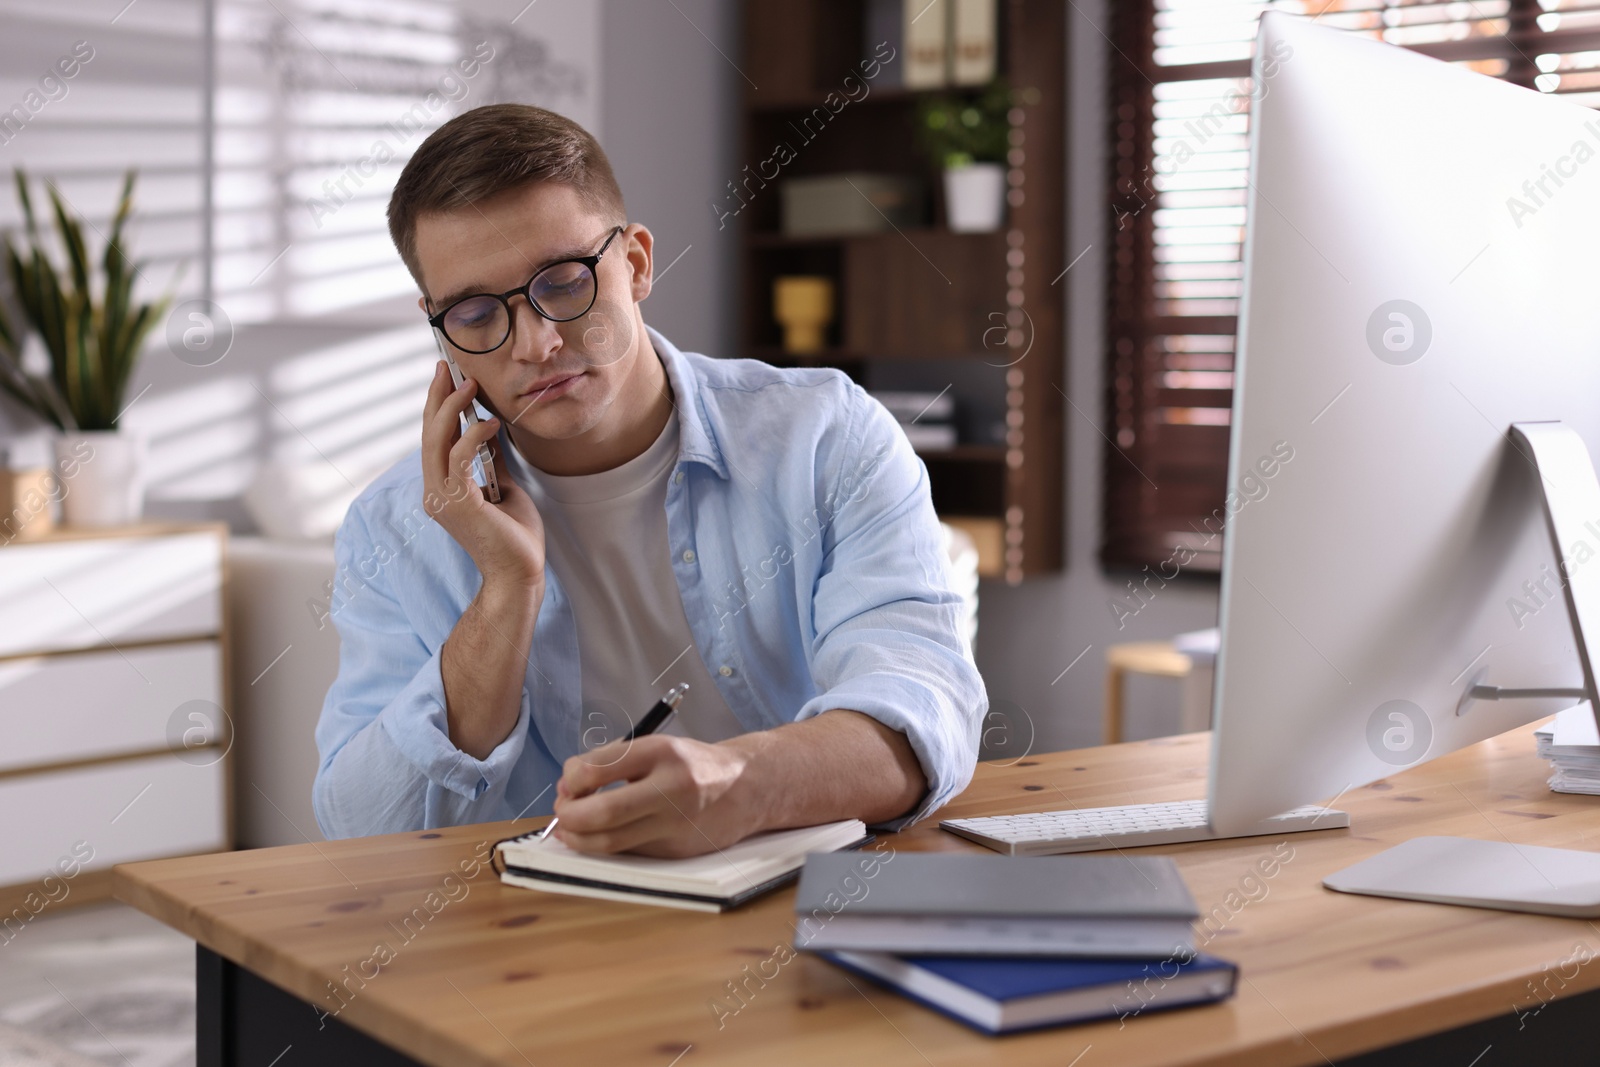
{"x":1422,"y":271}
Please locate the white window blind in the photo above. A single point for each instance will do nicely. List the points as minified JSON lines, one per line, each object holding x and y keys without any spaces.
{"x":319,"y":105}
{"x":135,"y":98}
{"x":265,"y":165}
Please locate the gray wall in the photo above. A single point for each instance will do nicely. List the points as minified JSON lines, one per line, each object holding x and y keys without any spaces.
{"x":1029,"y":634}
{"x":669,"y":108}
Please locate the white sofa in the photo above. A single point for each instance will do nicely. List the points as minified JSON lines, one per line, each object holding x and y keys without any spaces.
{"x":273,"y":589}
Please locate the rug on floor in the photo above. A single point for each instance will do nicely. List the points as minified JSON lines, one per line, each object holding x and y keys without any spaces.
{"x":18,"y":1048}
{"x":130,"y":1023}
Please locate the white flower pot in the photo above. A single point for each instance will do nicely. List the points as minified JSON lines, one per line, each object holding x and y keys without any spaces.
{"x":975,"y":197}
{"x":102,"y":477}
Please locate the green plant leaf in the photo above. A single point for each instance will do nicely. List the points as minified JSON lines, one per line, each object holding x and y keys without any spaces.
{"x":114,"y":251}
{"x":54,"y":321}
{"x":27,"y":206}
{"x":38,"y":394}
{"x":49,"y":310}
{"x":25,"y":397}
{"x":956,"y":129}
{"x":35,"y":394}
{"x":94,"y":340}
{"x":118,"y":287}
{"x":70,"y":230}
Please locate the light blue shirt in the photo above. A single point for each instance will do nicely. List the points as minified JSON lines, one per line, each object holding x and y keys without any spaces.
{"x":805,"y":545}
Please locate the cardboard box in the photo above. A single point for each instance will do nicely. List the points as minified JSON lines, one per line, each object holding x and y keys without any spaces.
{"x":837,"y":205}
{"x":27,"y":503}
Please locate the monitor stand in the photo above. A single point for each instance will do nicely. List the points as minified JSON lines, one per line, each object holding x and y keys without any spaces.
{"x":1498,"y":874}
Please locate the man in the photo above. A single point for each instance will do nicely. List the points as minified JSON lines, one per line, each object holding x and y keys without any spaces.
{"x":764,"y":535}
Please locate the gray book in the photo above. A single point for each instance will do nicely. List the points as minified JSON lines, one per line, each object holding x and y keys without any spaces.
{"x":1100,"y":905}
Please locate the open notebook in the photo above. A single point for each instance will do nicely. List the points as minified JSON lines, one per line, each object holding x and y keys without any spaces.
{"x":715,"y":881}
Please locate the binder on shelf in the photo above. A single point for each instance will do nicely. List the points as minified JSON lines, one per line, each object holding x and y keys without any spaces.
{"x":926,"y":37}
{"x":885,"y":25}
{"x":973,"y":41}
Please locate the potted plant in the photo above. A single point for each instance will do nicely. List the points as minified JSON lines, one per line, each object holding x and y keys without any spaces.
{"x":91,"y":335}
{"x":968,"y":137}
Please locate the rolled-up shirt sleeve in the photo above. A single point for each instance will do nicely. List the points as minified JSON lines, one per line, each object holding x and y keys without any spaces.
{"x":387,"y":763}
{"x":889,"y":641}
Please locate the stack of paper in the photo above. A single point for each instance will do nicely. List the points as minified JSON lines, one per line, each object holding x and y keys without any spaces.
{"x":1571,"y":743}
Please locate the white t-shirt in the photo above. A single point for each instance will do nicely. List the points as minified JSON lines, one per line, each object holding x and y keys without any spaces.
{"x":606,"y":540}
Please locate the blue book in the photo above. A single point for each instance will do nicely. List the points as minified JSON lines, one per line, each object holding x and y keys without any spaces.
{"x":1001,"y":995}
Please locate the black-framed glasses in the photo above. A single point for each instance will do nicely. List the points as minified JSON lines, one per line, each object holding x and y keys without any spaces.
{"x":560,"y":292}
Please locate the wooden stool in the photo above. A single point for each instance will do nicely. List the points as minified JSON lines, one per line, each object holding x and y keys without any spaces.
{"x":1161,"y":659}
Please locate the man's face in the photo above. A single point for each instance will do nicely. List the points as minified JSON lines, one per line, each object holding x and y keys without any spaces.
{"x":554,"y":380}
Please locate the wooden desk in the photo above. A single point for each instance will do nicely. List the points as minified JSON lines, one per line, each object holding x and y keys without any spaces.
{"x":513,"y":977}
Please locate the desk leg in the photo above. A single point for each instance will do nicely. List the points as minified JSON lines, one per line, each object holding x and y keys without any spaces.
{"x":242,"y":1020}
{"x":211,"y":1008}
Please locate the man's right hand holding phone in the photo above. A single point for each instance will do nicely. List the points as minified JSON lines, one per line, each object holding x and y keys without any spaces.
{"x":486,"y":655}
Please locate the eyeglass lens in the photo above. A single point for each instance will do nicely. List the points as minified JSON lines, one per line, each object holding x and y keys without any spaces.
{"x":562,"y":292}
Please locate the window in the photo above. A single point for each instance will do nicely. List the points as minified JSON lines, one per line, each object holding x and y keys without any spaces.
{"x":1179,"y":110}
{"x":268,"y":135}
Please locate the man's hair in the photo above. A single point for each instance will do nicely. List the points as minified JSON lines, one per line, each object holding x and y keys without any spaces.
{"x":490,"y":150}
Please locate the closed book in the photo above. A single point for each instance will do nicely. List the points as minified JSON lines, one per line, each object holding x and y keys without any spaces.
{"x":917,"y":406}
{"x":1095,"y":905}
{"x":926,"y":35}
{"x":832,"y":205}
{"x":1000,"y":995}
{"x":885,"y":28}
{"x":930,"y":437}
{"x":716,"y":881}
{"x":972,"y":41}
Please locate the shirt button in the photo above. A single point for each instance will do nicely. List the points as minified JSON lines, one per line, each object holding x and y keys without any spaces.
{"x":725,"y":671}
{"x":688,"y":555}
{"x":678,"y":477}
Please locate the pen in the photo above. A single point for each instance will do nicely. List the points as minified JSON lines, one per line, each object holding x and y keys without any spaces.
{"x":654,"y":719}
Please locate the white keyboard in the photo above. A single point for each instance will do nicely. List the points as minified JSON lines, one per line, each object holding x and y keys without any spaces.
{"x":1047,"y":833}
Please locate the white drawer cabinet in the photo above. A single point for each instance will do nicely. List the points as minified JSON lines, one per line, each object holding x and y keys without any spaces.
{"x":131,"y":809}
{"x":87,"y":705}
{"x":98,"y":592}
{"x":114,"y":734}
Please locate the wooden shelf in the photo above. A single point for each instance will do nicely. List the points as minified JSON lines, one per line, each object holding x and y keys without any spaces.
{"x":833,"y":357}
{"x":966,"y":454}
{"x":768,"y":239}
{"x":784,"y":240}
{"x":771,"y":102}
{"x":921,"y":307}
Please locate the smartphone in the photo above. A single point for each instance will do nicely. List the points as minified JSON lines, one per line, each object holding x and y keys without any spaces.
{"x":491,"y":484}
